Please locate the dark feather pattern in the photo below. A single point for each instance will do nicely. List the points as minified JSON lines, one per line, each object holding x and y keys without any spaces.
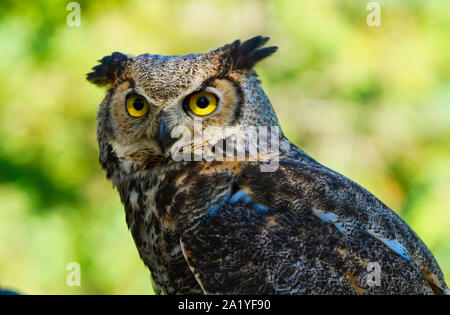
{"x":245,"y":55}
{"x":287,"y":249}
{"x":108,"y":70}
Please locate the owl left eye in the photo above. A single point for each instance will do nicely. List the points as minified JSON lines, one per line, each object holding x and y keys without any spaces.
{"x":137,"y":105}
{"x":202,"y":104}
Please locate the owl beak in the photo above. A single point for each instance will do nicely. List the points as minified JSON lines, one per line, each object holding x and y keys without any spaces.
{"x":165,"y":140}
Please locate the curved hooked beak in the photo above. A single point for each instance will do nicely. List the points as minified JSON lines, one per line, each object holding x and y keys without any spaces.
{"x":164,"y":138}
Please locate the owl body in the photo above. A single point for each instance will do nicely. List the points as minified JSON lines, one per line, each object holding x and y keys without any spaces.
{"x":224,"y":226}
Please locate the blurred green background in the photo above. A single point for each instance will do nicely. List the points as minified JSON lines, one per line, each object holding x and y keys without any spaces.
{"x":370,"y":102}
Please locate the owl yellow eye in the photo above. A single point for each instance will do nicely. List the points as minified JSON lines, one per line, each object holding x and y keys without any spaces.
{"x":137,"y":105}
{"x":202,"y":103}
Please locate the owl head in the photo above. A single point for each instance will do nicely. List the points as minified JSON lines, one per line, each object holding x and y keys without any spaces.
{"x":149,"y":95}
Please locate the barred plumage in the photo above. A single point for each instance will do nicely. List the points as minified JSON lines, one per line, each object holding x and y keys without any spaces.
{"x":225,"y":226}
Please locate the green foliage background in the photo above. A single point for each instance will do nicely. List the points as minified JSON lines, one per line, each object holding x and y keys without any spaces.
{"x":371,"y":102}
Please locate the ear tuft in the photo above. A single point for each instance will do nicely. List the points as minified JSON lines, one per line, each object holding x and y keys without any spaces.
{"x":246,"y":55}
{"x":109,"y":69}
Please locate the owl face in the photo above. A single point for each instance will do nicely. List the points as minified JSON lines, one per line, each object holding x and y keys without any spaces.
{"x":150,"y":95}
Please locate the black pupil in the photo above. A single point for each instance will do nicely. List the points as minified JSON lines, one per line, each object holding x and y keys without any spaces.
{"x":138,"y":104}
{"x":203,"y":101}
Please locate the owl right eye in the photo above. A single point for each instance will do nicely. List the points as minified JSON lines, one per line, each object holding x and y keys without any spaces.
{"x":201,"y":104}
{"x":137,"y":105}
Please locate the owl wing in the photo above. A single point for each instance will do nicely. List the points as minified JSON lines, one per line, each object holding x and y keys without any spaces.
{"x":314,"y":232}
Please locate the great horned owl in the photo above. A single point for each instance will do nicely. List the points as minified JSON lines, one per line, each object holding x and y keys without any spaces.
{"x":225,"y":226}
